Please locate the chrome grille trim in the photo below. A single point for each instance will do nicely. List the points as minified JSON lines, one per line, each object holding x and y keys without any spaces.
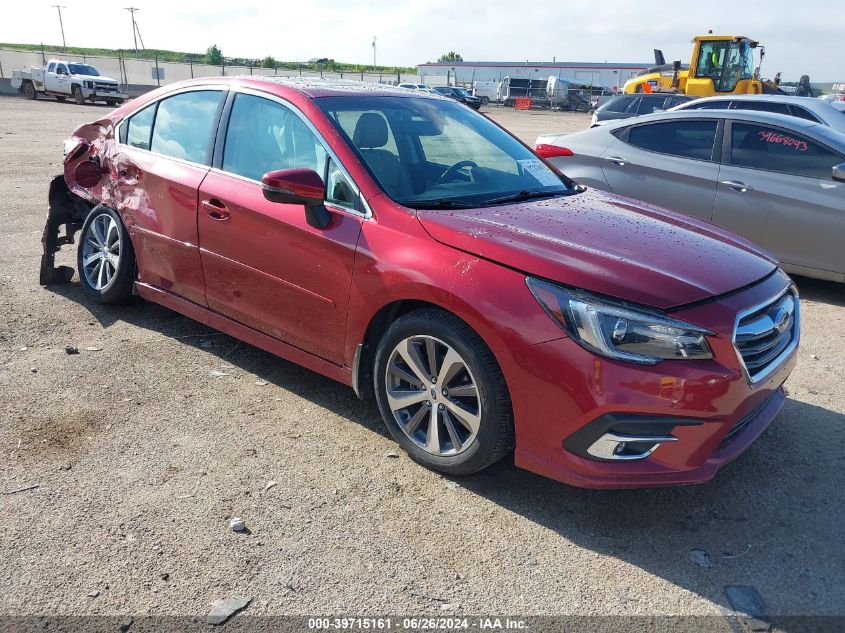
{"x":766,"y":334}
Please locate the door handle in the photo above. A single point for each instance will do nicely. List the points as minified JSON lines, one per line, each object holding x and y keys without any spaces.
{"x":215,"y":209}
{"x":617,"y":160}
{"x":741,"y":187}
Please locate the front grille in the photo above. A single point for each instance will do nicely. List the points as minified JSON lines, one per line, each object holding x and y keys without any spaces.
{"x":766,"y":334}
{"x":104,"y":87}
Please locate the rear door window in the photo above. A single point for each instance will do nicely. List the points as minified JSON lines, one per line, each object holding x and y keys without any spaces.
{"x":676,"y":101}
{"x":184,"y":125}
{"x":761,"y":106}
{"x":618,"y":104}
{"x":687,"y":139}
{"x":803,"y":113}
{"x":773,"y":149}
{"x":709,"y":105}
{"x":648,"y":104}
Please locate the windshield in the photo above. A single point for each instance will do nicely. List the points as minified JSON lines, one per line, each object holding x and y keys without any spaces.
{"x":430,"y":153}
{"x":83,"y":69}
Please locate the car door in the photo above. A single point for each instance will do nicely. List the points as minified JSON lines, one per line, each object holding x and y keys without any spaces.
{"x":164,"y":154}
{"x":50,"y":81}
{"x":669,"y":163}
{"x":776,"y":189}
{"x":58,"y":81}
{"x":264,"y":265}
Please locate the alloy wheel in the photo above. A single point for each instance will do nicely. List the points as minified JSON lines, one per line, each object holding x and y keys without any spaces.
{"x":101,"y":252}
{"x":433,"y":395}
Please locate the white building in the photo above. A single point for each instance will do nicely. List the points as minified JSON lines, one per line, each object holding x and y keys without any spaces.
{"x":588,"y":73}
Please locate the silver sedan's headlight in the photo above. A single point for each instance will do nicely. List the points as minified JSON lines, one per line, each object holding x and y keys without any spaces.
{"x":620,"y":331}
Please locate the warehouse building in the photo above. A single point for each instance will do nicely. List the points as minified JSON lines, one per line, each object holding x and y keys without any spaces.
{"x":595,"y":74}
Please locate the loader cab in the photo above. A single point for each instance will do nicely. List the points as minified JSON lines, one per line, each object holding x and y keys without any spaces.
{"x":722,"y":65}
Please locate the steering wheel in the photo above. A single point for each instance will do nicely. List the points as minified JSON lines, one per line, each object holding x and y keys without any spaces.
{"x":453,"y":171}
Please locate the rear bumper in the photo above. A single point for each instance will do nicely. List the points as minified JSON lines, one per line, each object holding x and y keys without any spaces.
{"x":560,"y":391}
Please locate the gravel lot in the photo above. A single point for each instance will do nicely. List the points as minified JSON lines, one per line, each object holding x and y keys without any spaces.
{"x":159,"y":430}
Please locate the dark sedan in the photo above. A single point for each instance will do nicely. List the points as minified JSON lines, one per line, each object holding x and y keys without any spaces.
{"x":459,"y":94}
{"x":626,"y":106}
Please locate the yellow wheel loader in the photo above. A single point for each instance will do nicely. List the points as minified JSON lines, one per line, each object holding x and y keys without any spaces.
{"x":720,"y":64}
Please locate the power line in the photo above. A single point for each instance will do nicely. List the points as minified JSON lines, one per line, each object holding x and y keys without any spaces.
{"x":59,"y":8}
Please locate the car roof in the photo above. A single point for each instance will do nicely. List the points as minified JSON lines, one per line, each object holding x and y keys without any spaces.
{"x":805,"y":101}
{"x":312,"y":87}
{"x":828,"y":134}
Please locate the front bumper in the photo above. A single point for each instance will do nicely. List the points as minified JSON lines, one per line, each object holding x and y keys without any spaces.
{"x":558,"y":390}
{"x":91,"y":93}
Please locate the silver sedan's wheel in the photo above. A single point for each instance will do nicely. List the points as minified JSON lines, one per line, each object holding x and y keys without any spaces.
{"x":101,"y":252}
{"x":433,"y":395}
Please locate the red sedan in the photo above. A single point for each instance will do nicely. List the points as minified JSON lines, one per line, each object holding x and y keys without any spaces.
{"x":407,"y":246}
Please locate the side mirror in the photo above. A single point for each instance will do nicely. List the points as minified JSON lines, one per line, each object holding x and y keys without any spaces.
{"x":839,"y":172}
{"x":298,"y":186}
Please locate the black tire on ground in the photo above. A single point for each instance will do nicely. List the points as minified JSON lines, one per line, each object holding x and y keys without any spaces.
{"x":495,"y":437}
{"x":29,"y":90}
{"x":485,"y":100}
{"x":112,"y":102}
{"x":77,"y":95}
{"x":119,"y":289}
{"x":60,"y":98}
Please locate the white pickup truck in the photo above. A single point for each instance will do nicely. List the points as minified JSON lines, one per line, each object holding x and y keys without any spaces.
{"x":61,"y":79}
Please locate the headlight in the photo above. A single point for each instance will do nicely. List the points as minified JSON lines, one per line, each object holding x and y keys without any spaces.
{"x":89,"y":84}
{"x":620,"y":331}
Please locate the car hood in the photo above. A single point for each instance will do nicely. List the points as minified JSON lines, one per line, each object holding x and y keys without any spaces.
{"x":98,"y":78}
{"x":608,"y":244}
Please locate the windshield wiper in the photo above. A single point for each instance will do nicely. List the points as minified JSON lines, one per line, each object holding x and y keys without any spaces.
{"x":440,"y":203}
{"x":527,"y":195}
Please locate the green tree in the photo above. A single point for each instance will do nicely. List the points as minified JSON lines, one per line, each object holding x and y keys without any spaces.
{"x":451,"y":56}
{"x":213,"y":55}
{"x":268,"y":62}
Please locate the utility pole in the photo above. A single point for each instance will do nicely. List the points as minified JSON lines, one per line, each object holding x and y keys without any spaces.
{"x":374,"y":52}
{"x":132,"y":10}
{"x":59,"y":8}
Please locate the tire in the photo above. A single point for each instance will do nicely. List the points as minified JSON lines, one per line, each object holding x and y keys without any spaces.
{"x":484,"y":402}
{"x":77,"y":95}
{"x":29,"y":91}
{"x":485,"y":100}
{"x":111,"y":102}
{"x":60,"y":99}
{"x":109,"y":278}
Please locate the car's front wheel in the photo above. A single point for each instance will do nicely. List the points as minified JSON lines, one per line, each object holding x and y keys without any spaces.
{"x":105,"y":257}
{"x":442,"y":394}
{"x":78,"y":98}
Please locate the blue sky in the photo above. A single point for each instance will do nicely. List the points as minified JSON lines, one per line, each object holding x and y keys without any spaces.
{"x":800,"y":37}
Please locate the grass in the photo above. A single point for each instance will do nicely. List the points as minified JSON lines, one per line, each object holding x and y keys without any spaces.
{"x":199,"y":58}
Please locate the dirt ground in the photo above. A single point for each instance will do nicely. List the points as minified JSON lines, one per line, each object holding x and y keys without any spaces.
{"x":159,"y":430}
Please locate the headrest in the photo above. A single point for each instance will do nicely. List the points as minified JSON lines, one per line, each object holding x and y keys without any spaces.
{"x":370,"y":131}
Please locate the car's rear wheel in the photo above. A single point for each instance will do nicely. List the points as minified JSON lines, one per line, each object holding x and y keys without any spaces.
{"x":29,"y":90}
{"x":442,"y":393}
{"x":112,"y":102}
{"x":485,"y":100}
{"x":105,"y":257}
{"x":77,"y":95}
{"x":60,"y":98}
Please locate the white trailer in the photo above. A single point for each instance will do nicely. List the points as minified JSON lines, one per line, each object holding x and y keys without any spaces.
{"x":61,"y":79}
{"x":485,"y":90}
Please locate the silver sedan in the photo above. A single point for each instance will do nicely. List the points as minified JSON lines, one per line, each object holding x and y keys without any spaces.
{"x":777,"y":180}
